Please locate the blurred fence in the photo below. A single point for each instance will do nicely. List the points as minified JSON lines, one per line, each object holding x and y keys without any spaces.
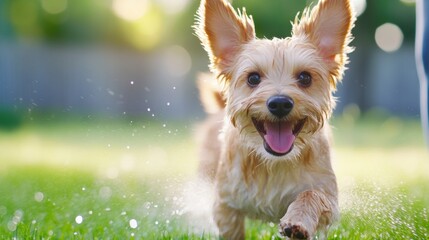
{"x":104,"y":80}
{"x":93,"y":80}
{"x":386,"y":81}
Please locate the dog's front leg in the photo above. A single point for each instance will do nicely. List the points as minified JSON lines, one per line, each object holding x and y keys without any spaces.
{"x":303,"y":215}
{"x":230,"y":222}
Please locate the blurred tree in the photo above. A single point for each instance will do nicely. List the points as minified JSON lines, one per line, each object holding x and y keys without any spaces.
{"x":273,"y":18}
{"x":71,"y":21}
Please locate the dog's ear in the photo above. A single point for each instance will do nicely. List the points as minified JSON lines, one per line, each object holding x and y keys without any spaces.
{"x":222,"y":32}
{"x":328,"y":26}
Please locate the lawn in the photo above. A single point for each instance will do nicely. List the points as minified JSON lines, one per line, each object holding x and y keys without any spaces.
{"x":128,"y":180}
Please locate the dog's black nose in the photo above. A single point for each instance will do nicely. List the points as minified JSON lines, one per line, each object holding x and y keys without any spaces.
{"x":280,"y":105}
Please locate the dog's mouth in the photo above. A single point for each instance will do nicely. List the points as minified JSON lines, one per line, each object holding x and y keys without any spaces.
{"x":278,"y":136}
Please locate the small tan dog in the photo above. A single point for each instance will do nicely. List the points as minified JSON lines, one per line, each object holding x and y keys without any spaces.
{"x":272,"y":160}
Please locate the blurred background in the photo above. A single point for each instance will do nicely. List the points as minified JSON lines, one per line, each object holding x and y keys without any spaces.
{"x":139,"y":58}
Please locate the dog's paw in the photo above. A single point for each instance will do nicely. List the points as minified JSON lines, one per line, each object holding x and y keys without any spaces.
{"x":294,"y":231}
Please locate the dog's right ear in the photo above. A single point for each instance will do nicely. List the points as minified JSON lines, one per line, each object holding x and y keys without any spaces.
{"x":222,"y":32}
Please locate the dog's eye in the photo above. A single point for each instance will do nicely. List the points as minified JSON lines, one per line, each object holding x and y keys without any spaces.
{"x":304,"y":79}
{"x":253,"y":79}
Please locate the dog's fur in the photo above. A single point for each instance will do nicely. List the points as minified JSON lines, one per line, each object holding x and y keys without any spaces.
{"x":296,"y":187}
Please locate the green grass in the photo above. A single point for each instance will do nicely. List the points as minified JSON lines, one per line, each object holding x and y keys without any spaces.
{"x":92,"y":180}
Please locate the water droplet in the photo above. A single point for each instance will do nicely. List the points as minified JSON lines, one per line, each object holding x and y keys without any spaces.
{"x":111,"y":93}
{"x":128,"y":147}
{"x":83,"y":188}
{"x":156,"y":222}
{"x":18,"y":214}
{"x":38,"y":196}
{"x":168,"y":103}
{"x":79,"y":219}
{"x":148,"y":109}
{"x":133,"y":223}
{"x":164,"y":125}
{"x":11,"y":226}
{"x":105,"y":193}
{"x":90,"y":212}
{"x":132,"y":82}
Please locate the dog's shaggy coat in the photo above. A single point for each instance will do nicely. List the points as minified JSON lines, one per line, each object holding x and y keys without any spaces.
{"x":272,"y":158}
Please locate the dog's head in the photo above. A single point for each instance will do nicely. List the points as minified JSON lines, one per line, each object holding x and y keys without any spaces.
{"x":278,"y":92}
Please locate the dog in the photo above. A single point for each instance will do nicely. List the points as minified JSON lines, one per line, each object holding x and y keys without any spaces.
{"x":266,"y":144}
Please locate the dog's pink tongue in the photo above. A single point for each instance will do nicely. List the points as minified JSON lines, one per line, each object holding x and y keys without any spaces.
{"x":279,"y":136}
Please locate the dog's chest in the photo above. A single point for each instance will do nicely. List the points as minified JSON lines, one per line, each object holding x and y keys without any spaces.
{"x":265,"y":195}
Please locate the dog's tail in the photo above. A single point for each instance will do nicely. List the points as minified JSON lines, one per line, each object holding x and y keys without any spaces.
{"x":210,"y":93}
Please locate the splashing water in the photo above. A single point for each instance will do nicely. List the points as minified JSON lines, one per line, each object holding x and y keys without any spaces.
{"x":79,"y":219}
{"x":371,"y":211}
{"x":133,"y":223}
{"x":38,"y":196}
{"x":196,"y":206}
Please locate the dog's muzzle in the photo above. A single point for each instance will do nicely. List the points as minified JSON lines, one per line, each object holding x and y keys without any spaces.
{"x":279,"y":136}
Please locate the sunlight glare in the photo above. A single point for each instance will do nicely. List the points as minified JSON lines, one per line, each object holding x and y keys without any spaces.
{"x":130,"y":10}
{"x":174,"y":7}
{"x":146,"y":32}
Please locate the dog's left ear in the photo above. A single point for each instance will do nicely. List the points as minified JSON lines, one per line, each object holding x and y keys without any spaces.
{"x":328,"y":26}
{"x":222,"y":32}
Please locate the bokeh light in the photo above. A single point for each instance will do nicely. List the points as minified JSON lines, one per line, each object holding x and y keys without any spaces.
{"x":389,"y":37}
{"x":130,"y":10}
{"x":146,"y":32}
{"x":174,"y":7}
{"x":359,"y":6}
{"x":54,"y":6}
{"x":177,"y":60}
